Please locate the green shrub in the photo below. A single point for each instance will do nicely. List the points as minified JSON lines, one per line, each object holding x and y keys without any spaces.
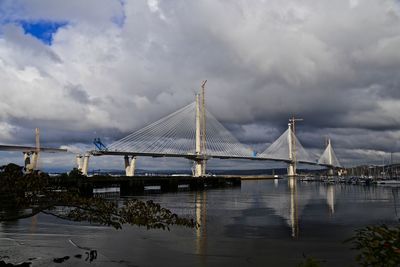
{"x":377,"y":246}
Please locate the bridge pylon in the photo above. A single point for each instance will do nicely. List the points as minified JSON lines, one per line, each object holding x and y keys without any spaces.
{"x":201,"y":158}
{"x":328,"y":158}
{"x":292,"y":168}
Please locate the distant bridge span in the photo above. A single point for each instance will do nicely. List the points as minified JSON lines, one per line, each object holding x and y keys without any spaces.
{"x":31,"y":153}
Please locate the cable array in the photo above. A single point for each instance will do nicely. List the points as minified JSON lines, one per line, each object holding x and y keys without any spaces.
{"x":280,"y":149}
{"x":176,"y":133}
{"x":173,"y":134}
{"x":328,"y":155}
{"x":220,"y":142}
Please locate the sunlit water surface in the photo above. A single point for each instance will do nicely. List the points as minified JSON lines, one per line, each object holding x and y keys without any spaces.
{"x":261,"y":223}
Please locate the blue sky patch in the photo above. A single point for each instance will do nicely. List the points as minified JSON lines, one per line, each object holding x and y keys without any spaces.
{"x":42,"y":30}
{"x":120,"y":19}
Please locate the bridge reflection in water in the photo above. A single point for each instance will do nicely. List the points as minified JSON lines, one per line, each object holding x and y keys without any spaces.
{"x":330,"y":198}
{"x":253,"y":224}
{"x":291,"y":215}
{"x":201,"y":219}
{"x":294,"y":216}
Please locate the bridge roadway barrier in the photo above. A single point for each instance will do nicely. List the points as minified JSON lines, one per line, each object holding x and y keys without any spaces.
{"x":136,"y":185}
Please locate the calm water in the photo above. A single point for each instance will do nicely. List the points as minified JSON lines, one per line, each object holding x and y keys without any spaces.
{"x":263,"y":223}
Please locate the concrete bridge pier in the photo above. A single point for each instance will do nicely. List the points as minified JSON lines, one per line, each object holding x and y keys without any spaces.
{"x":130,"y":165}
{"x":291,"y":170}
{"x":35,"y":158}
{"x":30,"y":161}
{"x":79,"y":163}
{"x":82,"y":163}
{"x":199,"y":168}
{"x":85,"y":165}
{"x":27,"y":161}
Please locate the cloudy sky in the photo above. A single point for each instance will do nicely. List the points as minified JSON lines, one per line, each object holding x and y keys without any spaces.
{"x":104,"y":68}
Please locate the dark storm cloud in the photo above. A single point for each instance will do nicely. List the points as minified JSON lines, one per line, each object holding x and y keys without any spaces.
{"x":77,"y":93}
{"x":333,"y":63}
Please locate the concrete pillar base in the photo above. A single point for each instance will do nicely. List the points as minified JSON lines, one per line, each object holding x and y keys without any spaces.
{"x":291,"y":170}
{"x":199,"y":168}
{"x":30,"y":161}
{"x":85,"y":166}
{"x":130,"y":165}
{"x":79,"y":163}
{"x":27,"y":162}
{"x":35,"y":159}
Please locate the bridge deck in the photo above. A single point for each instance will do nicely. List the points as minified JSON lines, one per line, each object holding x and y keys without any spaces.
{"x":30,"y":149}
{"x":193,"y":156}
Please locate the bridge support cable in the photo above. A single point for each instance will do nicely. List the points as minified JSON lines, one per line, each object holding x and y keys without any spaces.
{"x":288,"y":148}
{"x":279,"y":149}
{"x":191,"y":132}
{"x":213,"y":139}
{"x":329,"y":158}
{"x":173,"y":134}
{"x":221,"y":142}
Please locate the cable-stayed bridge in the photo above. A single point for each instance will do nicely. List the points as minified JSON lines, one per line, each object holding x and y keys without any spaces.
{"x":192,"y":132}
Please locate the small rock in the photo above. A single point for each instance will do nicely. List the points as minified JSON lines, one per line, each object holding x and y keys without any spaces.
{"x":60,"y":260}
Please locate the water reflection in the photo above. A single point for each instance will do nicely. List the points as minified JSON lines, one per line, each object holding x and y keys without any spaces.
{"x":33,"y":226}
{"x":395,"y":193}
{"x":330,"y":198}
{"x":294,"y":219}
{"x":201,"y":219}
{"x":258,"y":224}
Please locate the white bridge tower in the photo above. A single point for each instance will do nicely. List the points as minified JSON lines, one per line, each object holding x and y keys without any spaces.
{"x":201,"y":158}
{"x":292,"y":168}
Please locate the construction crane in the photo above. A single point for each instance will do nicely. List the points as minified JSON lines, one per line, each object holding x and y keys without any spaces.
{"x":99,"y":145}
